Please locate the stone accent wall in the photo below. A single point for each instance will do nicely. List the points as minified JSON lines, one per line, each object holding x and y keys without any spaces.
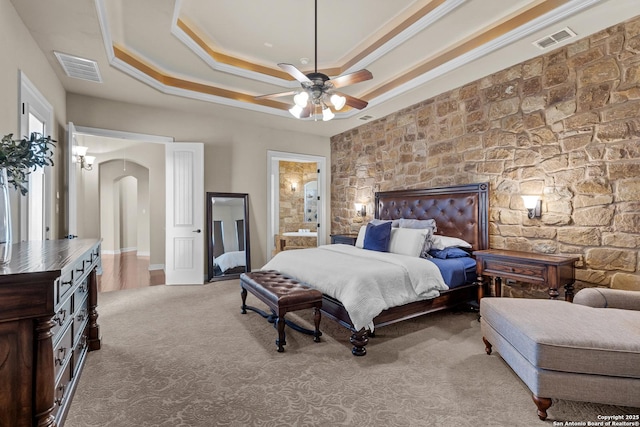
{"x":292,"y":202}
{"x":564,"y":125}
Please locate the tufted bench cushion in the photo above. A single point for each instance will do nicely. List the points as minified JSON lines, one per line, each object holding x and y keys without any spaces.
{"x":281,"y":294}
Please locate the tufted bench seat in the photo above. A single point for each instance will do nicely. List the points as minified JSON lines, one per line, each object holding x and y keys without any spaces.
{"x":281,"y":294}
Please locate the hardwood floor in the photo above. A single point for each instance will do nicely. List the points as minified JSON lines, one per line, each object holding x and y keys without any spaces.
{"x":126,"y":271}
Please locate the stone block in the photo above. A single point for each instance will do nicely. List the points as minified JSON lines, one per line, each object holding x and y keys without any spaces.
{"x":593,"y":186}
{"x":628,"y":222}
{"x":544,"y":246}
{"x":531,"y":86}
{"x":594,"y":97}
{"x":537,"y":232}
{"x":629,"y":282}
{"x":555,"y":75}
{"x":624,"y":170}
{"x":583,"y":201}
{"x":621,"y":240}
{"x":628,"y":190}
{"x":580,"y":120}
{"x":628,"y":110}
{"x":585,"y":57}
{"x":610,"y":259}
{"x":599,"y":72}
{"x":575,"y":142}
{"x":503,"y":108}
{"x":582,"y":236}
{"x":532,"y":68}
{"x":561,"y":93}
{"x":592,"y":276}
{"x":555,"y":164}
{"x":533,"y":103}
{"x":555,"y":219}
{"x":560,"y":111}
{"x":594,"y":216}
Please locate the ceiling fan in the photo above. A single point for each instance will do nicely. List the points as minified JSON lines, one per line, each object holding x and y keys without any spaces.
{"x":318,"y":90}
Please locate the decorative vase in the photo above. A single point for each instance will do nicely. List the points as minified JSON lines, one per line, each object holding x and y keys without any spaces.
{"x":5,"y":219}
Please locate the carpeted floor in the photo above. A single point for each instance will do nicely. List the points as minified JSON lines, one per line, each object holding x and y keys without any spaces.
{"x":185,"y":356}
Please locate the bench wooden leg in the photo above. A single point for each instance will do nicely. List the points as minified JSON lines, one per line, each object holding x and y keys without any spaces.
{"x":243,"y":294}
{"x":316,"y":320}
{"x":281,"y":341}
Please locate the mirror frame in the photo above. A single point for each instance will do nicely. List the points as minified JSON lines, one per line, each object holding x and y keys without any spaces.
{"x":247,"y":246}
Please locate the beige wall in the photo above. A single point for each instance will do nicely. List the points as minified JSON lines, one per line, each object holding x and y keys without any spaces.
{"x":235,"y":152}
{"x":19,"y":52}
{"x":563,"y":126}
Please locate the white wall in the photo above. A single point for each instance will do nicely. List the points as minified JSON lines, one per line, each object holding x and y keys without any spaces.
{"x":235,"y":152}
{"x":19,"y":51}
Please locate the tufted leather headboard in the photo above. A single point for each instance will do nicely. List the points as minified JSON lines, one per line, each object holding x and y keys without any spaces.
{"x":460,"y":211}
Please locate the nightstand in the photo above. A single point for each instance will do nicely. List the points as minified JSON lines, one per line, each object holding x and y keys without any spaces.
{"x":347,"y":239}
{"x":553,"y":270}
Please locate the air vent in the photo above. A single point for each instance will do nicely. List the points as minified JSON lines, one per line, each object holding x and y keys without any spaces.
{"x":555,"y":38}
{"x":366,"y":118}
{"x":79,"y":68}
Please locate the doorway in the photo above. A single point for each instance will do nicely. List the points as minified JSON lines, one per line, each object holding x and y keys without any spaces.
{"x":288,"y":185}
{"x":122,"y":200}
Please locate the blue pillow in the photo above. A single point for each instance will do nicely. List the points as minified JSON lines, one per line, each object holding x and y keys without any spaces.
{"x":450,"y":252}
{"x":377,"y":237}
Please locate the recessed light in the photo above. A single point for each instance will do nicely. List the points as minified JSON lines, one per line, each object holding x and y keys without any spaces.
{"x":267,"y":44}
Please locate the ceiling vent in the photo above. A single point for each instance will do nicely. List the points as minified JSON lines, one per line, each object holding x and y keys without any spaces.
{"x":555,"y":38}
{"x":79,"y":68}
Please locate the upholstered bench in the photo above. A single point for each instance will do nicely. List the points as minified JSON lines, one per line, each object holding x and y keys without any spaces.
{"x":586,"y":351}
{"x":281,"y":294}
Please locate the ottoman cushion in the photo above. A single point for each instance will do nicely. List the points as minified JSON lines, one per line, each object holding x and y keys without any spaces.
{"x":561,"y":336}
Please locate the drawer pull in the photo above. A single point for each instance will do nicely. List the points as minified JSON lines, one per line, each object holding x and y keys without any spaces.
{"x":58,"y":320}
{"x":82,"y":315}
{"x":60,"y":359}
{"x":82,"y":289}
{"x":81,"y":270}
{"x":67,"y":282}
{"x":62,"y":388}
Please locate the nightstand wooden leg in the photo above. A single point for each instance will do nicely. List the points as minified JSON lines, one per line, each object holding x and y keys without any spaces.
{"x":497,"y":287}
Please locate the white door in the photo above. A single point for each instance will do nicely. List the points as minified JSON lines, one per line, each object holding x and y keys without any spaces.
{"x":72,"y":193}
{"x":184,"y":263}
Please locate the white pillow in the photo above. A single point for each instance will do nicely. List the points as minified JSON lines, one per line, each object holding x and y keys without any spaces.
{"x":407,"y":241}
{"x":360,"y":238}
{"x":418,"y":223}
{"x":441,"y":242}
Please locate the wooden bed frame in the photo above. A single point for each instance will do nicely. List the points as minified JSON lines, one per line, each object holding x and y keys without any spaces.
{"x":460,"y":211}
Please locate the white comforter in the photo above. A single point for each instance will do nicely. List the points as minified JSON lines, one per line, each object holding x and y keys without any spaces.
{"x":230,"y":260}
{"x":365,"y":282}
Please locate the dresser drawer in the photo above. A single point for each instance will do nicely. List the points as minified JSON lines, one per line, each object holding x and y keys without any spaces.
{"x":61,"y":318}
{"x":65,"y":283}
{"x":62,"y":351}
{"x":62,"y":391}
{"x":515,"y":270}
{"x":80,"y":319}
{"x":79,"y":353}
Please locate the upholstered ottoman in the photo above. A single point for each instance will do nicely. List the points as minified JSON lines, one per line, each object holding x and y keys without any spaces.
{"x":281,"y":294}
{"x":569,"y":351}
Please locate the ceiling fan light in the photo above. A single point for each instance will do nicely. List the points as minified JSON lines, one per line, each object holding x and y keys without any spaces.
{"x":338,"y":101}
{"x":296,"y":111}
{"x":301,"y":99}
{"x":327,"y":114}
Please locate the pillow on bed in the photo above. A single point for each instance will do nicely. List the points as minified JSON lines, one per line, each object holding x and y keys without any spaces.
{"x":450,"y":252}
{"x":394,"y":222}
{"x":417,"y":223}
{"x":441,"y":242}
{"x":408,"y":241}
{"x":377,"y":237}
{"x":360,"y":238}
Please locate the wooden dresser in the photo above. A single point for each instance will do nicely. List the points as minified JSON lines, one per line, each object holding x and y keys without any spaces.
{"x":48,"y":322}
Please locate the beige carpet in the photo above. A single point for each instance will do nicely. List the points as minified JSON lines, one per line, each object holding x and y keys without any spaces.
{"x":185,"y":356}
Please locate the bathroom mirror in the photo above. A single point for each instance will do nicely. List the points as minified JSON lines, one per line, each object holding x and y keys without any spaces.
{"x":228,"y":235}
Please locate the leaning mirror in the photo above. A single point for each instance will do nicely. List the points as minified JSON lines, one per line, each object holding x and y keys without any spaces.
{"x":228,"y":235}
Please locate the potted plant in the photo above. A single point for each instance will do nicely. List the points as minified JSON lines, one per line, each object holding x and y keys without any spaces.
{"x":18,"y":158}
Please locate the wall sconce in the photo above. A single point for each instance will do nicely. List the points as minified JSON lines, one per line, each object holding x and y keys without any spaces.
{"x":80,"y":156}
{"x":361,"y":209}
{"x":294,"y":186}
{"x":533,"y":205}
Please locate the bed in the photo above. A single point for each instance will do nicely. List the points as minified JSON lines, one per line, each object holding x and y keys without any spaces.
{"x":230,"y":262}
{"x":460,"y":212}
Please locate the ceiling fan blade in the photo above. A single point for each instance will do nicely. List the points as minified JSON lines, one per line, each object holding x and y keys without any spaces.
{"x":297,"y":74}
{"x":306,"y":112}
{"x":355,"y":102}
{"x":275,"y":95}
{"x":352,"y":78}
